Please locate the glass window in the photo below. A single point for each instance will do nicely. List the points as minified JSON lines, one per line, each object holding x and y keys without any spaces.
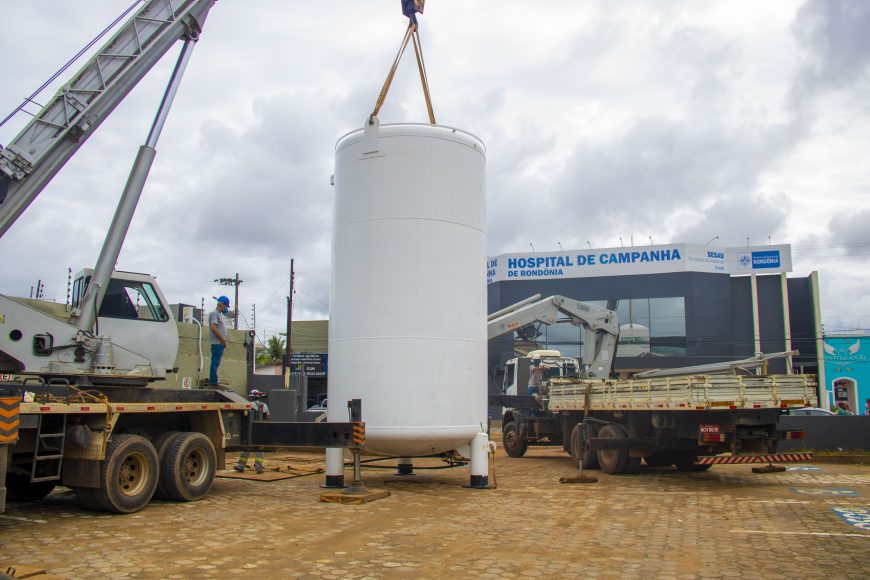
{"x":132,"y":301}
{"x":657,"y":328}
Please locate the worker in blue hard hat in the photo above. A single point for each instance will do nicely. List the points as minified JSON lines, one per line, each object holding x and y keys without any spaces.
{"x":217,"y":337}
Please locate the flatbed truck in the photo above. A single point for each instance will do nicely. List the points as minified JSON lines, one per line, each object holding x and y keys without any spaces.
{"x":691,"y":418}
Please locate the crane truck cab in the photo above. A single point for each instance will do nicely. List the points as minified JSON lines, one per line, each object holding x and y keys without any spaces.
{"x":516,"y":374}
{"x":134,"y":340}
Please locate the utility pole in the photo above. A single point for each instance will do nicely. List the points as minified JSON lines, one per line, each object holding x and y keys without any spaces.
{"x":233,"y":282}
{"x":286,"y":364}
{"x":254,"y":336}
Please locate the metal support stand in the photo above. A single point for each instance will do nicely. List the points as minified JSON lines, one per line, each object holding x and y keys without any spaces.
{"x":354,"y":409}
{"x":576,"y":444}
{"x":356,"y":487}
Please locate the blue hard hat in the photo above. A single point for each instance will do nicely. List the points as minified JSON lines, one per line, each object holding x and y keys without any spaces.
{"x":224,"y":300}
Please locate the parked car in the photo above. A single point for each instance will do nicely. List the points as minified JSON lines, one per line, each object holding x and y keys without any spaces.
{"x":810,"y":411}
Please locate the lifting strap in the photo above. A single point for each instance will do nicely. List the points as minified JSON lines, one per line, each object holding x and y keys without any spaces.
{"x":410,"y":34}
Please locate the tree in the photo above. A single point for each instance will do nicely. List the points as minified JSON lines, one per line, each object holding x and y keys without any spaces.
{"x":274,"y":351}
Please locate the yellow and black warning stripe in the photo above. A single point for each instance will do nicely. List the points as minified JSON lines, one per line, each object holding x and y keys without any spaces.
{"x":359,"y":434}
{"x":9,"y":419}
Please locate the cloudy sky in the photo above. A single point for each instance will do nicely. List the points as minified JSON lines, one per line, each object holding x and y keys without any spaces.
{"x":679,"y":120}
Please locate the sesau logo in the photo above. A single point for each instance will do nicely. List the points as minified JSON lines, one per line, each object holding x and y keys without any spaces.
{"x":765,"y":259}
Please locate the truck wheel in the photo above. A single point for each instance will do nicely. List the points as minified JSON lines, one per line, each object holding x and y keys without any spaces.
{"x":578,"y":434}
{"x":612,"y":461}
{"x":19,"y":488}
{"x":188,"y":468}
{"x":128,"y":475}
{"x":514,"y":444}
{"x":161,"y":444}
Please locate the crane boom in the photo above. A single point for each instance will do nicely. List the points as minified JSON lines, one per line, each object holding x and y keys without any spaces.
{"x":54,"y":134}
{"x":600,"y":325}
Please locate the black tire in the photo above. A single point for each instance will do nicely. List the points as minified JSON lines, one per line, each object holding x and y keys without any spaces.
{"x":514,"y":444}
{"x":613,"y":461}
{"x":19,"y":488}
{"x":188,"y":468}
{"x":161,"y":444}
{"x":589,"y":457}
{"x":128,"y":475}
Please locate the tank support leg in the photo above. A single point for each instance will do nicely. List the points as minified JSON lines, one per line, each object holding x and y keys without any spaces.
{"x":334,"y":468}
{"x":405,"y":467}
{"x":479,"y":462}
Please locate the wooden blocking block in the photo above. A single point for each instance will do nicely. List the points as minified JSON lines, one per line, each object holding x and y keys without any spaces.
{"x":340,"y":497}
{"x":579,"y":479}
{"x":268,"y":475}
{"x":21,"y":571}
{"x":768,"y":469}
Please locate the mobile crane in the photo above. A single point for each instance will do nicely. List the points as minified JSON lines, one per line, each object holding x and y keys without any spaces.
{"x":84,"y":416}
{"x":685,"y":417}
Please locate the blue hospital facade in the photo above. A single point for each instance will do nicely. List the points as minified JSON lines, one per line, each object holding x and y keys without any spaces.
{"x":847,"y":369}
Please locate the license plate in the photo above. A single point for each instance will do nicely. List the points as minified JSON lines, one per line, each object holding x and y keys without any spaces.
{"x":709,"y":428}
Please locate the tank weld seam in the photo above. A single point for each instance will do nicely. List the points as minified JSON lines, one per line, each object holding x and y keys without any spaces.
{"x":428,"y":219}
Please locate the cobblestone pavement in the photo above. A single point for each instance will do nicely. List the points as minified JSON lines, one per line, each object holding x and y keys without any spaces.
{"x":723,"y":523}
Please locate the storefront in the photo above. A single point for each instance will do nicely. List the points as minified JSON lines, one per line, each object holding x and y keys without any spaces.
{"x":847,"y":371}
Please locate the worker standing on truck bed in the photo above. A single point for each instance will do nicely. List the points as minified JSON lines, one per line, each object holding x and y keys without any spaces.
{"x":217,"y":337}
{"x":262,"y":411}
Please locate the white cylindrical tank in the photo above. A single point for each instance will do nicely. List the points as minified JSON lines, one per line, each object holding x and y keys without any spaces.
{"x":407,"y":322}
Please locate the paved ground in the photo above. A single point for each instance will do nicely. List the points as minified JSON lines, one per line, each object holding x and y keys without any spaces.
{"x":724,"y":523}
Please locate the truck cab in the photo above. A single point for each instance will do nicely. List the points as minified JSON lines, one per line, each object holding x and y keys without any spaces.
{"x":134,"y":338}
{"x":516,"y":374}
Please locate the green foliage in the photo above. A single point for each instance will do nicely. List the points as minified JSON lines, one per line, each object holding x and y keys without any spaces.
{"x":273,"y":352}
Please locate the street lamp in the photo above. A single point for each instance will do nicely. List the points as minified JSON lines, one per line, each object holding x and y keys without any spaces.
{"x":712,"y":240}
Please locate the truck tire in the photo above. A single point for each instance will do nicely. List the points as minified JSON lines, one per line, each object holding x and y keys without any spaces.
{"x":161,"y":444}
{"x":514,"y":444}
{"x":589,"y":458}
{"x":188,"y":468}
{"x":616,"y":462}
{"x":128,"y":475}
{"x":19,"y":488}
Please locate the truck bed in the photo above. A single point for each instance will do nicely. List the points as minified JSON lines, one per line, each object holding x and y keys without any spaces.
{"x":699,"y":392}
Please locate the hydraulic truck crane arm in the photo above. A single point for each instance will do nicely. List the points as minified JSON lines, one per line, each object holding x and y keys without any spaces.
{"x":600,"y":326}
{"x":54,"y":134}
